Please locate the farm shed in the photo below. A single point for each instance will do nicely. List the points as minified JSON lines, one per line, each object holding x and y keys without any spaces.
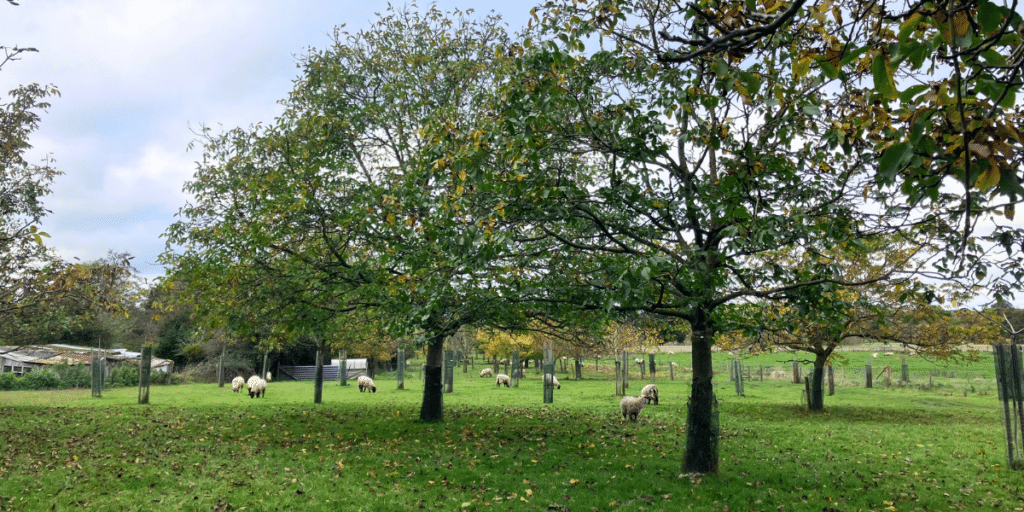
{"x":27,"y":358}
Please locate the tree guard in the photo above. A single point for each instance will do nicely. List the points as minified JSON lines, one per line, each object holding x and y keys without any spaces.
{"x":516,"y":369}
{"x":625,"y":371}
{"x":1010,"y":383}
{"x":343,"y":367}
{"x":737,"y":370}
{"x":318,"y":379}
{"x":549,"y":373}
{"x":97,"y":376}
{"x":145,"y":367}
{"x":220,"y":367}
{"x":400,"y":374}
{"x":449,"y":370}
{"x":618,"y":379}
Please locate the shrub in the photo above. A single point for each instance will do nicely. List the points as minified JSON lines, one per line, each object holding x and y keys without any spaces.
{"x":9,"y":381}
{"x":40,"y":379}
{"x":125,"y":375}
{"x":163,"y":378}
{"x":77,"y":376}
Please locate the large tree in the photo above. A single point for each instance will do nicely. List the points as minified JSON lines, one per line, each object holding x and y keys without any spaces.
{"x":329,"y":210}
{"x":696,"y":137}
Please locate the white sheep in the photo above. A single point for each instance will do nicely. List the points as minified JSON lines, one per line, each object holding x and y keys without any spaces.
{"x":268,"y":377}
{"x":503,"y":379}
{"x":675,"y":365}
{"x":632,"y":405}
{"x":237,"y":383}
{"x":366,"y":383}
{"x":650,"y":391}
{"x":486,"y":372}
{"x":257,"y":387}
{"x":889,"y":354}
{"x":554,"y":382}
{"x":874,"y":354}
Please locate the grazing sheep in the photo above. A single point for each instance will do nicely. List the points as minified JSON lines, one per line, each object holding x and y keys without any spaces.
{"x":554,"y":382}
{"x":650,"y":391}
{"x":874,"y":354}
{"x":486,"y":372}
{"x":237,"y":383}
{"x":257,"y":387}
{"x":366,"y":383}
{"x":503,"y":379}
{"x":889,"y":354}
{"x":632,"y":405}
{"x":251,"y":382}
{"x":268,"y":377}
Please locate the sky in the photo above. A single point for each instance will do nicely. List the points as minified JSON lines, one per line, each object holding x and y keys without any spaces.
{"x":137,"y":80}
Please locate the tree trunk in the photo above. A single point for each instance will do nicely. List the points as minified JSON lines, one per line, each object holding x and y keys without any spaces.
{"x":702,"y":430}
{"x":816,"y":401}
{"x":432,"y":408}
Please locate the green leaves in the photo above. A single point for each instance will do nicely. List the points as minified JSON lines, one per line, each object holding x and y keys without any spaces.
{"x":883,"y":77}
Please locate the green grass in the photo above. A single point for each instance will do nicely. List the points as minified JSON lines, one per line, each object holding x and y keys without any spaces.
{"x":200,"y":447}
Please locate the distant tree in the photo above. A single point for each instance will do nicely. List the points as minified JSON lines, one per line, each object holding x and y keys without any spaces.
{"x":892,"y":305}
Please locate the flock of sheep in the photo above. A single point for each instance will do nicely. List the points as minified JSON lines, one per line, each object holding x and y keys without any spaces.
{"x":257,"y":386}
{"x":631,"y":406}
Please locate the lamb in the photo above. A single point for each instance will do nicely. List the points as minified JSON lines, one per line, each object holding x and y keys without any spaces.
{"x":237,"y":383}
{"x":650,"y":391}
{"x":257,"y":387}
{"x":632,"y":405}
{"x":486,"y":372}
{"x":503,"y":379}
{"x":366,"y":383}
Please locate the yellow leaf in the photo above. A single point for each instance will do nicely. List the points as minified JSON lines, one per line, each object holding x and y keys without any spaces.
{"x":391,"y":218}
{"x":988,"y":179}
{"x":462,"y":175}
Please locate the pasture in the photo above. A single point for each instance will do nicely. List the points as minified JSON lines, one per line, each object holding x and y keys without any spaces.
{"x":201,"y":447}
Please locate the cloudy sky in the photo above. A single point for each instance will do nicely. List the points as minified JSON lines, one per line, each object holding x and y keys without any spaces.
{"x":137,"y":78}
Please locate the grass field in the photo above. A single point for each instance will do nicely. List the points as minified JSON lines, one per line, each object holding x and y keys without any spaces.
{"x":201,"y":447}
